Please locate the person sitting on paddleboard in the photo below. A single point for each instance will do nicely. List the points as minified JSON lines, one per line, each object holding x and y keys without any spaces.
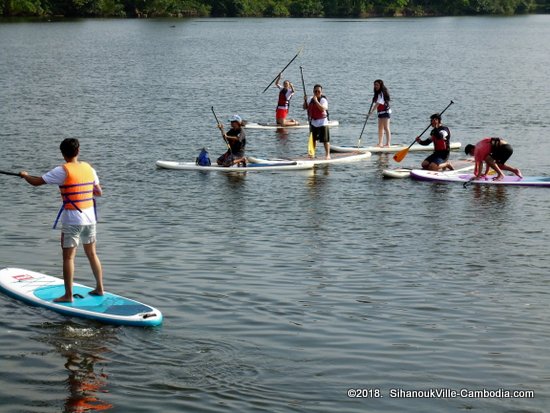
{"x":236,"y":139}
{"x":283,"y":104}
{"x":441,"y":138}
{"x":317,"y":109}
{"x":78,"y":184}
{"x":494,"y":152}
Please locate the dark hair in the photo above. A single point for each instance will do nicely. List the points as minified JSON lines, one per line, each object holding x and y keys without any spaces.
{"x":317,"y":86}
{"x":436,"y":116}
{"x":469,"y":148}
{"x":69,"y":147}
{"x":383,"y":89}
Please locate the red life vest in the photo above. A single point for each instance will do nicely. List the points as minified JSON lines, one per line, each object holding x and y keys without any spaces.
{"x":314,"y":111}
{"x":283,"y":102}
{"x":441,"y":143}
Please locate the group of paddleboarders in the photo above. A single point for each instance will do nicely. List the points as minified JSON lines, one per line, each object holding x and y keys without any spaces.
{"x":79,"y":185}
{"x":317,"y":110}
{"x":494,"y":152}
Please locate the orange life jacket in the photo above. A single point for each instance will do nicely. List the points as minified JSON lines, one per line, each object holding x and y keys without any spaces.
{"x":77,"y":192}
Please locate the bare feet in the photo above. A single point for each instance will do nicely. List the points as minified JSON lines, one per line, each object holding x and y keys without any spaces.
{"x":63,"y":299}
{"x":96,"y":292}
{"x":517,"y":172}
{"x":498,"y":177}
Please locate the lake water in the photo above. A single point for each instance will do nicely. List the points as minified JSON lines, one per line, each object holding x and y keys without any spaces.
{"x":280,"y":291}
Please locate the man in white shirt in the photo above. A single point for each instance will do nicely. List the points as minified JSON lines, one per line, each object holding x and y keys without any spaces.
{"x":78,"y":184}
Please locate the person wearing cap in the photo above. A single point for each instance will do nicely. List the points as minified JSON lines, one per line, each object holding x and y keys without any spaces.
{"x":494,"y":152}
{"x":283,"y":104}
{"x":317,"y":110}
{"x":236,"y":142}
{"x":440,"y":136}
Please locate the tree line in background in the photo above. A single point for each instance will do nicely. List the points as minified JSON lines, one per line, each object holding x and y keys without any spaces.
{"x":266,"y":8}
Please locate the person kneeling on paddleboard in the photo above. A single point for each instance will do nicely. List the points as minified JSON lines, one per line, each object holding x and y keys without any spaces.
{"x":494,"y":152}
{"x":236,"y":142}
{"x":441,"y":138}
{"x":78,"y":184}
{"x":283,"y":104}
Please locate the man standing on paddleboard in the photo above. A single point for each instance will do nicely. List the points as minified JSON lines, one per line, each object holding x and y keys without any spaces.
{"x":317,"y":109}
{"x":78,"y":184}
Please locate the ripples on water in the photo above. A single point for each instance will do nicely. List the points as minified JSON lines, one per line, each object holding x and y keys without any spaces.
{"x":280,"y":291}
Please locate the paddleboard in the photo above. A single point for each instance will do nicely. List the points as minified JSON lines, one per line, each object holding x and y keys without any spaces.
{"x":335,"y":158}
{"x":252,"y":166}
{"x":460,"y":165}
{"x":388,"y":149}
{"x":40,"y":290}
{"x":302,"y":125}
{"x":422,"y":175}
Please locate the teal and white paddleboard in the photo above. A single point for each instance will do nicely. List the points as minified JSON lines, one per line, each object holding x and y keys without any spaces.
{"x":40,"y":290}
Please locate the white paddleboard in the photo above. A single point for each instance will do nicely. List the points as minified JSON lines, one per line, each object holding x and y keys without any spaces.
{"x":422,"y":175}
{"x":40,"y":290}
{"x":335,"y":158}
{"x":460,"y":165}
{"x":252,"y":166}
{"x":388,"y":149}
{"x":302,"y":125}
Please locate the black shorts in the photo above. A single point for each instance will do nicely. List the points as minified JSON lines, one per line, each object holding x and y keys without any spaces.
{"x":438,"y":157}
{"x":502,"y":153}
{"x":320,"y":133}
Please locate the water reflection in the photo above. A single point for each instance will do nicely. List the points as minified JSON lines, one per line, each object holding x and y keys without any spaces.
{"x":317,"y":180}
{"x":82,"y":346}
{"x":487,"y":195}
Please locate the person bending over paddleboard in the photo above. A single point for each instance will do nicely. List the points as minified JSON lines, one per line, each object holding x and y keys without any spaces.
{"x":236,"y":140}
{"x":441,"y":138}
{"x":494,"y":152}
{"x":283,"y":104}
{"x":78,"y":184}
{"x":317,"y":109}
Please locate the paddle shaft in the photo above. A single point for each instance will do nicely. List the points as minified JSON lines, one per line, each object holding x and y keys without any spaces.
{"x":223,"y":135}
{"x":10,"y":173}
{"x":364,"y":124}
{"x":311,"y":142}
{"x":428,"y":127}
{"x":281,"y":72}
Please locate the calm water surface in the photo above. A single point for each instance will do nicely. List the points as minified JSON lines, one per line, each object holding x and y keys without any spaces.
{"x":280,"y":291}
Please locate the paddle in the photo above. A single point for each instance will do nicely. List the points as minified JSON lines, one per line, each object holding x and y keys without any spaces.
{"x":310,"y":143}
{"x":281,"y":72}
{"x":223,"y":135}
{"x":364,"y":124}
{"x":399,"y":156}
{"x":10,"y":173}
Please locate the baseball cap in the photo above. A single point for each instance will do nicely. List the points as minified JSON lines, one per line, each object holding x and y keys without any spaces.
{"x":235,"y":118}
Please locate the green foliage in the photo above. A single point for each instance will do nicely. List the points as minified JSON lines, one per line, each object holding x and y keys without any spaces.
{"x":307,"y":8}
{"x":269,"y":8}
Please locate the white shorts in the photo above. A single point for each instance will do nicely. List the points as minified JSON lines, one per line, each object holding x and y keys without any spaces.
{"x":71,"y":235}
